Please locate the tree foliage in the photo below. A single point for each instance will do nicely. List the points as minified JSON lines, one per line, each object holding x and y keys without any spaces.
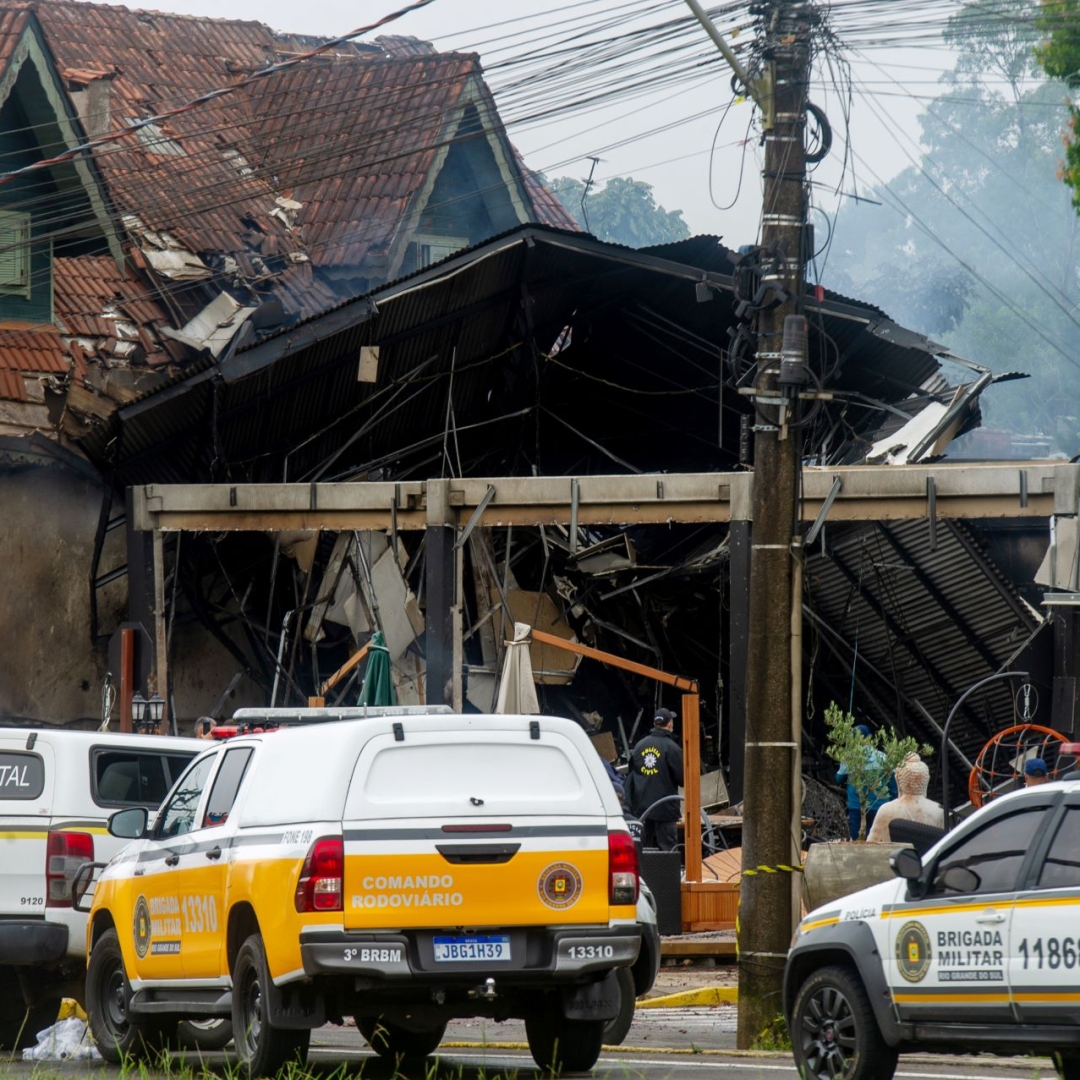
{"x":869,"y":760}
{"x":976,"y":242}
{"x":1059,"y":55}
{"x":623,"y":211}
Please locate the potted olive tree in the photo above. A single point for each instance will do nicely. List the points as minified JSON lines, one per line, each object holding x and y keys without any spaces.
{"x":868,"y":762}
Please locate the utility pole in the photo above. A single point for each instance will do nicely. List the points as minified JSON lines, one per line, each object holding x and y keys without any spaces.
{"x":773,"y":728}
{"x":771,"y":808}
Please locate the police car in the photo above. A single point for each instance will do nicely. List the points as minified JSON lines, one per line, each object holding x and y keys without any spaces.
{"x":976,"y":947}
{"x":402,"y":871}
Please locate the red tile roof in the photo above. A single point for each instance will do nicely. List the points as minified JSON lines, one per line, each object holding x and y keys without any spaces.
{"x":95,"y":301}
{"x":352,"y":136}
{"x":33,"y":351}
{"x":11,"y":386}
{"x":370,"y":133}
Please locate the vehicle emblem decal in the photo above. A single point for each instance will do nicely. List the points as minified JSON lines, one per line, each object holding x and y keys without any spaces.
{"x":559,"y":886}
{"x":141,"y":926}
{"x":913,"y":951}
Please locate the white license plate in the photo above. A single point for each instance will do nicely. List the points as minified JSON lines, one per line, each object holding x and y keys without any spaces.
{"x":486,"y":947}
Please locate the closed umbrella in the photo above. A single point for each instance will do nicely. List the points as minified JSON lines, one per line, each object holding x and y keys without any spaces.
{"x":378,"y":686}
{"x":517,"y":691}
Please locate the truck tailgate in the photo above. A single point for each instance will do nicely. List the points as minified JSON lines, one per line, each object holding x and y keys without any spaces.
{"x":474,"y":831}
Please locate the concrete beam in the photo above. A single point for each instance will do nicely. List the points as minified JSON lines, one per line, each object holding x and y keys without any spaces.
{"x":868,"y":493}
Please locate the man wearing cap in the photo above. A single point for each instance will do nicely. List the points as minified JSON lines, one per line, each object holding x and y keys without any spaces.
{"x":1035,"y":772}
{"x":656,"y":772}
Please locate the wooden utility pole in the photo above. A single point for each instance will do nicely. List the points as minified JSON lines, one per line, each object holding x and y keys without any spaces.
{"x":772,"y":729}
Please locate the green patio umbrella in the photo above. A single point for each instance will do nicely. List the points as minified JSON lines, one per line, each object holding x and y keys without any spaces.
{"x":378,"y":686}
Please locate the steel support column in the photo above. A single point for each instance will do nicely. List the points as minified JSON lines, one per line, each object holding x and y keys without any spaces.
{"x":440,"y":576}
{"x":738,"y":631}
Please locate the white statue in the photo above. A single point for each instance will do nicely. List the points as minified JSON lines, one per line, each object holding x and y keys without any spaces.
{"x":912,"y":779}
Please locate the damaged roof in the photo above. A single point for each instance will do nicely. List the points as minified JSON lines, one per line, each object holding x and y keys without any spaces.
{"x":567,"y":354}
{"x":290,"y":191}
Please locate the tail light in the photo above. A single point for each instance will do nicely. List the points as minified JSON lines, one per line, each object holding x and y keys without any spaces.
{"x":623,"y":868}
{"x":65,"y":853}
{"x":320,"y":884}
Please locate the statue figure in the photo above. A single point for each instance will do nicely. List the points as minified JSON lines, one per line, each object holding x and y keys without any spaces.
{"x":912,"y":779}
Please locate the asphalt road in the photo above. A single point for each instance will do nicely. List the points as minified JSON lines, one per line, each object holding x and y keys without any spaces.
{"x":664,"y":1044}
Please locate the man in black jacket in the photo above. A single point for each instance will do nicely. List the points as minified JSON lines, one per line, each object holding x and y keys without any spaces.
{"x":656,"y":770}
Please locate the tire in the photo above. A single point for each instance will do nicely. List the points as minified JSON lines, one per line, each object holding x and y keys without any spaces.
{"x":108,"y":994}
{"x":834,"y":1034}
{"x":559,"y":1045}
{"x":18,"y":1025}
{"x":393,"y":1041}
{"x":261,"y":1048}
{"x":204,"y":1036}
{"x":617,"y":1029}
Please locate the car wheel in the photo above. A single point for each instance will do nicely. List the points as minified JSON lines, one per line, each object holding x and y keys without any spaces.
{"x":204,"y":1036}
{"x":617,"y":1029}
{"x":834,"y":1034}
{"x":392,"y":1041}
{"x":19,"y":1026}
{"x":559,"y":1045}
{"x":261,"y":1048}
{"x":108,"y":995}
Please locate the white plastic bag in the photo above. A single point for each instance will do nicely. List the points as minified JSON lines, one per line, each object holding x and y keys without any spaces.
{"x":66,"y":1040}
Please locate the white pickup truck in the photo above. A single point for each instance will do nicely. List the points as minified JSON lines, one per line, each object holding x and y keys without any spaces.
{"x":57,"y":790}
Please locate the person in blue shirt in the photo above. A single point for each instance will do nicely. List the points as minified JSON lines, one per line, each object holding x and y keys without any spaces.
{"x":853,"y":809}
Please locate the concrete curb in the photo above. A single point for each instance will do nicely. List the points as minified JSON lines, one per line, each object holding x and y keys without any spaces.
{"x":705,"y":995}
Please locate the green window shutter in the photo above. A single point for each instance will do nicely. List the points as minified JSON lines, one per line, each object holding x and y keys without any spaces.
{"x":14,"y":252}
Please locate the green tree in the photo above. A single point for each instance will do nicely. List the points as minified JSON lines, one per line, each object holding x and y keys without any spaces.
{"x":976,"y":244}
{"x":1059,"y":55}
{"x":623,"y":211}
{"x":868,"y":760}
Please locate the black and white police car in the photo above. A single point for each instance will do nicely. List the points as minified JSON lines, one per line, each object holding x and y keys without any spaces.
{"x":973,"y":947}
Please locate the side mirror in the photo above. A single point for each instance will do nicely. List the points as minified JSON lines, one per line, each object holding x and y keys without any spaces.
{"x":961,"y":879}
{"x":129,"y":824}
{"x":906,"y":864}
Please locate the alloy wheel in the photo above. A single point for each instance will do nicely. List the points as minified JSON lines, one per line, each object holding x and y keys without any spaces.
{"x":827,"y":1031}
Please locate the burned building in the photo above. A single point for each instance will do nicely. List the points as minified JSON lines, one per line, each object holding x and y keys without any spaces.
{"x":278,"y":178}
{"x":542,"y":354}
{"x":385,"y":295}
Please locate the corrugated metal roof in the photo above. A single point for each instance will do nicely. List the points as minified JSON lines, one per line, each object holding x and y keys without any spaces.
{"x":932,"y":620}
{"x":642,"y":344}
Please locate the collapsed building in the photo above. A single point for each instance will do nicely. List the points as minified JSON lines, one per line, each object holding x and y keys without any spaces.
{"x":130,"y":250}
{"x":384,"y":294}
{"x":542,"y":354}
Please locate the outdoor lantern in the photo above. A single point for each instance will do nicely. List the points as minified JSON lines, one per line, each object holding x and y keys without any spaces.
{"x":138,"y":710}
{"x":156,"y":708}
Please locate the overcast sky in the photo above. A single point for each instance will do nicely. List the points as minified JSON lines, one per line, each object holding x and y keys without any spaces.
{"x":675,"y":156}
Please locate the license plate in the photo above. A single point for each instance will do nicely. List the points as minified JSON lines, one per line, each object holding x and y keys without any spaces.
{"x":486,"y":947}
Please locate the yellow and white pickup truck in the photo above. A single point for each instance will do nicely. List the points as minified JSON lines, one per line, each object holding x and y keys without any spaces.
{"x":402,"y":871}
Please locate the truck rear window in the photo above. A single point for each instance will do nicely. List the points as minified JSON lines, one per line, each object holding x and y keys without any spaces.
{"x":22,"y":776}
{"x":447,"y":772}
